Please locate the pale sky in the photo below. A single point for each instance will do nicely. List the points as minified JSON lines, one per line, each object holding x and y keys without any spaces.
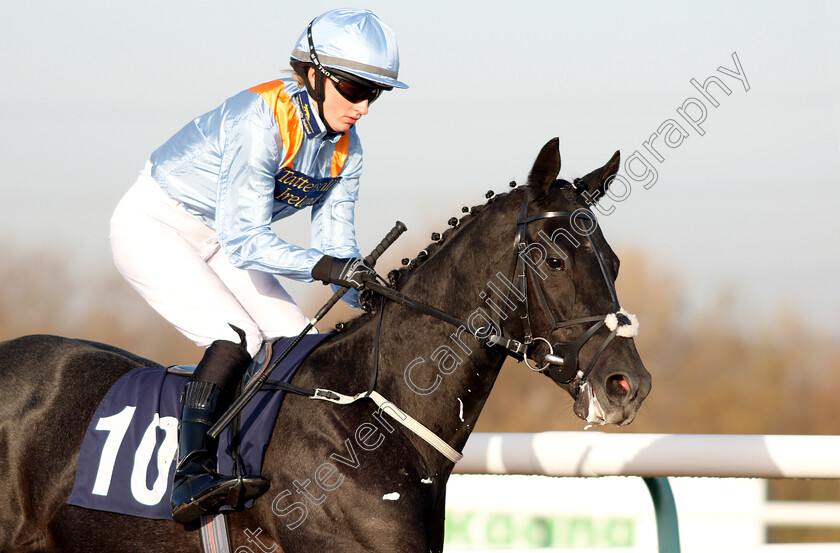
{"x":90,"y":88}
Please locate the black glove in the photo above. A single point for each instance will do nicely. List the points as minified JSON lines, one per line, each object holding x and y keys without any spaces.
{"x":352,"y":272}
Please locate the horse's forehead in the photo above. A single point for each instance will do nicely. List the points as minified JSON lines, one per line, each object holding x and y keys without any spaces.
{"x":561,"y":196}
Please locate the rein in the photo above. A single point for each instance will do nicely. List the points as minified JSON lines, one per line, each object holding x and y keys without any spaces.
{"x":562,"y":360}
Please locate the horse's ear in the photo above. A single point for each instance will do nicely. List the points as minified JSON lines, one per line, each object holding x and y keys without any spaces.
{"x":595,"y":184}
{"x":546,"y":167}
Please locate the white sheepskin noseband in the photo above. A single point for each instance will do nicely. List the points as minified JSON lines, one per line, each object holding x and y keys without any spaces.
{"x":625,"y":330}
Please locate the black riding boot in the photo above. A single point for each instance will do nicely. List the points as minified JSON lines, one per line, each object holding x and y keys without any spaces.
{"x":198,"y":488}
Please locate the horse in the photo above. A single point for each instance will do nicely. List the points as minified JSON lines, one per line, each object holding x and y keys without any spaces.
{"x":345,"y":478}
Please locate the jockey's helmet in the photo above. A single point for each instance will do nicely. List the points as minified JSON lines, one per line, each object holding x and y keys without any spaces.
{"x":351,"y":41}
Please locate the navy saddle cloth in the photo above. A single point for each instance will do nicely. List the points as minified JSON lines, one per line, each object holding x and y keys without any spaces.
{"x":127,"y":460}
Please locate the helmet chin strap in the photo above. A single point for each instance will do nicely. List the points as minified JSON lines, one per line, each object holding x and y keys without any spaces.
{"x":320,"y":73}
{"x":319,"y":94}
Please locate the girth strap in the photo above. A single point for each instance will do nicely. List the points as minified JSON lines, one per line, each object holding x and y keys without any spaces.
{"x":215,"y":537}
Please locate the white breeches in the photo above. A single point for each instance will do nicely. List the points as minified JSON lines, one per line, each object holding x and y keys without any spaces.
{"x":174,"y":260}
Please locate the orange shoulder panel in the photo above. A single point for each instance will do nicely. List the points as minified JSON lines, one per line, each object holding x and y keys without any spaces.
{"x":340,"y":155}
{"x":275,"y":95}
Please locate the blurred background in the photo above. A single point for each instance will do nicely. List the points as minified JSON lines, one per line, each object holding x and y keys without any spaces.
{"x":727,"y":238}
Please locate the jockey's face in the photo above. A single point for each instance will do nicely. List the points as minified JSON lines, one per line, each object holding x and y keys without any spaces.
{"x":339,"y":113}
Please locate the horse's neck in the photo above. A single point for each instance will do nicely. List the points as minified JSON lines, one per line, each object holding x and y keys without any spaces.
{"x":435,"y":372}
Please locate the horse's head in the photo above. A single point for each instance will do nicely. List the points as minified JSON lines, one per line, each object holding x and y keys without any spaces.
{"x":582,"y":337}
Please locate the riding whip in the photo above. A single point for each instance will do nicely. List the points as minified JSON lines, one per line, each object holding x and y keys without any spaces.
{"x":259,"y":379}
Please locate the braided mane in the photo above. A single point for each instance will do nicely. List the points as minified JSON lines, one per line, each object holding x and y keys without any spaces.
{"x":399,"y":277}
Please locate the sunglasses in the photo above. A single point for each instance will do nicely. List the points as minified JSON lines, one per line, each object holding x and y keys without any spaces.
{"x":353,"y":91}
{"x":351,"y":88}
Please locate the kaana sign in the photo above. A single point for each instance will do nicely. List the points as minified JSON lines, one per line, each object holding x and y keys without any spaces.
{"x":538,"y":512}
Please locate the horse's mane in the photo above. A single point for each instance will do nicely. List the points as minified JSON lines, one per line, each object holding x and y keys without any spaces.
{"x":398,"y":278}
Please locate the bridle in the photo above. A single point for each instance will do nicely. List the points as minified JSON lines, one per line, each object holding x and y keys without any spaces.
{"x":562,"y":361}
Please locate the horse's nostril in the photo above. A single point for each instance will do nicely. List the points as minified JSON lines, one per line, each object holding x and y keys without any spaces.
{"x":618,"y":386}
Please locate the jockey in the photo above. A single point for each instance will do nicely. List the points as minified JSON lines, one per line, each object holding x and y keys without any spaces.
{"x":193,"y":234}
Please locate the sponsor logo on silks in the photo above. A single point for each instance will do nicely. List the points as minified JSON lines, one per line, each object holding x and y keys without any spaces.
{"x":307,"y":118}
{"x":298,"y":190}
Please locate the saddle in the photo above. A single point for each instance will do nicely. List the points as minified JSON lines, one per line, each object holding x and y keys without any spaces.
{"x":127,"y":460}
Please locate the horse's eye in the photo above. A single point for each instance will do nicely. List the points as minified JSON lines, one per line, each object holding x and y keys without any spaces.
{"x":556,"y":263}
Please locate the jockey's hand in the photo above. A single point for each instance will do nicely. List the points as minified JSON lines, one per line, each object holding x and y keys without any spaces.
{"x":352,"y":272}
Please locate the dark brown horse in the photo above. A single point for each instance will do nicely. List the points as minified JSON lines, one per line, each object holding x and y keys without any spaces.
{"x":344,"y":478}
